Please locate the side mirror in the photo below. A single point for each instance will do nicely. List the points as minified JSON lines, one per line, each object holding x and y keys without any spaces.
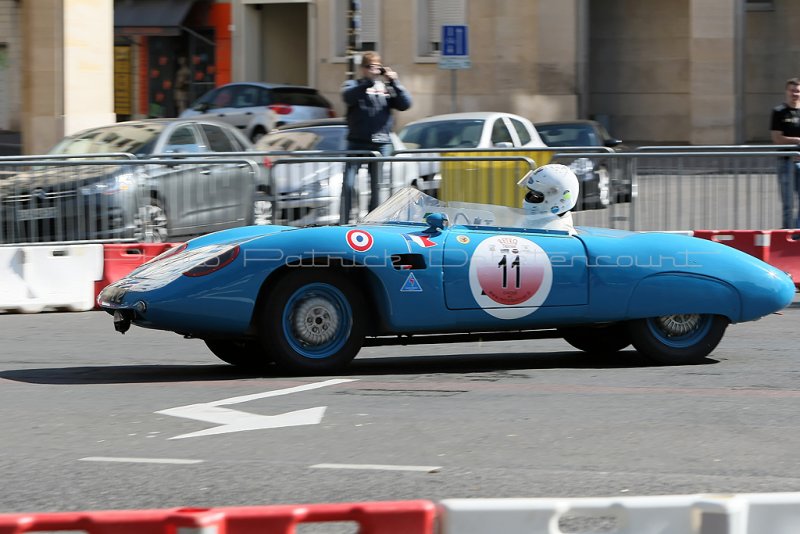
{"x":612,"y":142}
{"x":504,"y":144}
{"x":202,"y":107}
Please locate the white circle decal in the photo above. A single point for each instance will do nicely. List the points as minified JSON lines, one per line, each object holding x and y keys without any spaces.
{"x":359,"y":240}
{"x":510,"y":276}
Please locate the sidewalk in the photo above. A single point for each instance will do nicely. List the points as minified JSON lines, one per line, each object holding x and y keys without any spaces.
{"x":10,"y":143}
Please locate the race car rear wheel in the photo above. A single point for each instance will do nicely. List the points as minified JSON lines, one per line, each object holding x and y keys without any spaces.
{"x":682,"y":339}
{"x":313,"y":321}
{"x":605,"y":339}
{"x":245,"y":354}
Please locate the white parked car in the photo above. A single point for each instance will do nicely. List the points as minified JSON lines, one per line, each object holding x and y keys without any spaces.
{"x":256,"y":108}
{"x":479,"y":129}
{"x":310,"y":193}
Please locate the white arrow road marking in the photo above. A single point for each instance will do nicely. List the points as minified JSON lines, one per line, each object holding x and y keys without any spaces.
{"x":237,"y":421}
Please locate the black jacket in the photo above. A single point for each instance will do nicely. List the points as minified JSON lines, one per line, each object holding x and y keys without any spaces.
{"x":369,"y":109}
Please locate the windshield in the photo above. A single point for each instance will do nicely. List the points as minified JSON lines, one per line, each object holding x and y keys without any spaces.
{"x":327,"y":138}
{"x":568,"y":135}
{"x":410,"y":205}
{"x":462,"y":133}
{"x":134,"y":138}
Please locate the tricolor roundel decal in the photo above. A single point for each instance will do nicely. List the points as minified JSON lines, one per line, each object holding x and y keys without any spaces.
{"x":359,"y":240}
{"x":509,"y":276}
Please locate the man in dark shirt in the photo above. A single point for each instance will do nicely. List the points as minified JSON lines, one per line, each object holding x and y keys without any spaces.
{"x":785,"y":130}
{"x":370,"y":101}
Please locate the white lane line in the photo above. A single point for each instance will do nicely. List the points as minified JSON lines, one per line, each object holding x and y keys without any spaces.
{"x":378,"y":467}
{"x":139,"y":460}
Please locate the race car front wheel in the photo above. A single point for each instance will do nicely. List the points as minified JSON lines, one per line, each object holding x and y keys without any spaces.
{"x":313,"y":321}
{"x":681,"y":339}
{"x":244,"y":354}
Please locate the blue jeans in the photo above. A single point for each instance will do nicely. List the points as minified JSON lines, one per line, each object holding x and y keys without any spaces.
{"x":349,"y":178}
{"x":789,"y":180}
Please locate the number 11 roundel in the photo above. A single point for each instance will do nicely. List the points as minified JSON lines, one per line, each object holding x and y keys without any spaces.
{"x":509,"y":276}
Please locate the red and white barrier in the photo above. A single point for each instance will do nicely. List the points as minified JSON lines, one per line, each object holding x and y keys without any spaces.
{"x":390,"y":517}
{"x":773,"y":513}
{"x":743,"y":513}
{"x":38,"y":278}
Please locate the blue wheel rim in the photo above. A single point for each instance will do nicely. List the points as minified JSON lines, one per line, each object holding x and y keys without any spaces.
{"x":680,"y":331}
{"x":317,"y":321}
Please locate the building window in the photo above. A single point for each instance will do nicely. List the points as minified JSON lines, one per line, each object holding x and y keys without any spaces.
{"x":760,"y":5}
{"x":431,"y":16}
{"x":369,"y":26}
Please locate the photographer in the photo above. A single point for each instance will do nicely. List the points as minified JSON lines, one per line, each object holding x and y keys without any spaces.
{"x":370,"y":100}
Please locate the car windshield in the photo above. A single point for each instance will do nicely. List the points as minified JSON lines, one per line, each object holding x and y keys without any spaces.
{"x":410,"y":205}
{"x":328,"y":138}
{"x":568,"y":135}
{"x":461,"y":133}
{"x":136,"y":138}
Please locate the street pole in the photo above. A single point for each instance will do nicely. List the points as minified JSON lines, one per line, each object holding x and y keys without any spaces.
{"x":353,"y":36}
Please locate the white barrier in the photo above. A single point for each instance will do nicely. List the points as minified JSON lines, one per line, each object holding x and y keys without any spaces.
{"x":36,"y":278}
{"x":766,"y":513}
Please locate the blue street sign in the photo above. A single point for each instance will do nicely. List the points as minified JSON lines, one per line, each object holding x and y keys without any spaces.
{"x":454,"y":41}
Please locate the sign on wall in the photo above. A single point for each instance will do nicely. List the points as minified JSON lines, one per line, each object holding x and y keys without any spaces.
{"x":123,"y":86}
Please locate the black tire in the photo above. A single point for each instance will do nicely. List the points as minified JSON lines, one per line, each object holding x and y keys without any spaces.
{"x":606,"y":339}
{"x":245,"y":354}
{"x":313,"y":321}
{"x":677,"y":339}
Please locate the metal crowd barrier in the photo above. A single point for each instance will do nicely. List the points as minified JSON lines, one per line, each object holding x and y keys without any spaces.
{"x":123,"y":200}
{"x":693,"y":189}
{"x":174,"y":196}
{"x":307,"y":190}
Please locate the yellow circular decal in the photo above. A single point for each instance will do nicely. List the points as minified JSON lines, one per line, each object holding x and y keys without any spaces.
{"x":462,"y":239}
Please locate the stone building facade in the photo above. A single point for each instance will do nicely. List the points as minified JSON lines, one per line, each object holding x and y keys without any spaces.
{"x":655,"y":71}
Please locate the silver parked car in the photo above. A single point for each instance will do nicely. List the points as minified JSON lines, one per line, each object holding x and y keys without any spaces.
{"x":71,"y":200}
{"x":256,"y":108}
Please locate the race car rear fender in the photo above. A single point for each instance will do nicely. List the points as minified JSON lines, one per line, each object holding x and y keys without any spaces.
{"x":673,"y":293}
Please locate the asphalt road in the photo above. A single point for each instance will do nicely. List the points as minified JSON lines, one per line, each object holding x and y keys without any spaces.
{"x":95,"y":420}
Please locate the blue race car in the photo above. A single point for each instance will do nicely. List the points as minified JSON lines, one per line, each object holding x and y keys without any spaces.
{"x":419,"y":270}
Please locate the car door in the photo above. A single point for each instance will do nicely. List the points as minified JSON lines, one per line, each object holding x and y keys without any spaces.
{"x":510,"y":274}
{"x":245,"y":106}
{"x":183,"y":186}
{"x":222,"y":106}
{"x":230,"y":185}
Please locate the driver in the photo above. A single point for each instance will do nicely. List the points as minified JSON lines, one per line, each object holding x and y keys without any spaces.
{"x":552,"y":190}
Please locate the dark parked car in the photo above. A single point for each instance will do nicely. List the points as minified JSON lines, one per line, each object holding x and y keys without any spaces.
{"x":256,"y":108}
{"x":600,"y":185}
{"x":69,"y":200}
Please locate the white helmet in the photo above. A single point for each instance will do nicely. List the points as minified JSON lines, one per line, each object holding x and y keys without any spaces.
{"x":552,"y":190}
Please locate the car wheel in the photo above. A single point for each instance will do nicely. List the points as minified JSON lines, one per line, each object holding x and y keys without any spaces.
{"x":245,"y":354}
{"x":313,"y":321}
{"x":152,"y":224}
{"x":681,"y":339}
{"x":597,"y":339}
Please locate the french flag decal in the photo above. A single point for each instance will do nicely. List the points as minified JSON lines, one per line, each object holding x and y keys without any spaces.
{"x":420,"y":239}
